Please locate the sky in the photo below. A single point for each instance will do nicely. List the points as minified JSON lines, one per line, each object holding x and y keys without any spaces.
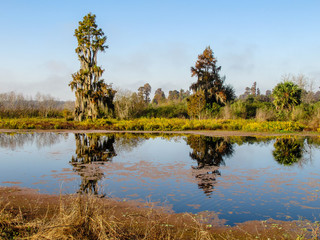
{"x":157,"y":42}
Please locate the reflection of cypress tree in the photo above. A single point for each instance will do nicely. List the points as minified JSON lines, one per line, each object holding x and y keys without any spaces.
{"x":209,"y":153}
{"x":91,"y":152}
{"x":287,"y":151}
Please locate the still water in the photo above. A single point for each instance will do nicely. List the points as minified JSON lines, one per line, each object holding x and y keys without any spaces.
{"x":238,"y":178}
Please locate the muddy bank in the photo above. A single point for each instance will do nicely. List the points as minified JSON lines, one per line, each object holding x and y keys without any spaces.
{"x":43,"y":213}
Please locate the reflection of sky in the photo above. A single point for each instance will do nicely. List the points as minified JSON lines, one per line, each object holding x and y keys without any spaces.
{"x":252,"y":185}
{"x":31,"y":164}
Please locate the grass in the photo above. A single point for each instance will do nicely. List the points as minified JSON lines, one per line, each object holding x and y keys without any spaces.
{"x":158,"y":124}
{"x":89,"y":217}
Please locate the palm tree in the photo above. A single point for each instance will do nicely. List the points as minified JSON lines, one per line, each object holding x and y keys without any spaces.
{"x":286,"y":95}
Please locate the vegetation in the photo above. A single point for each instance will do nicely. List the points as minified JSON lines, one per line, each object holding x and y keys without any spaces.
{"x":158,"y":124}
{"x":94,"y":98}
{"x":294,"y":101}
{"x":144,"y":93}
{"x":209,"y":88}
{"x":290,"y":107}
{"x":286,"y":96}
{"x":287,"y":151}
{"x":88,"y":217}
{"x":14,"y":105}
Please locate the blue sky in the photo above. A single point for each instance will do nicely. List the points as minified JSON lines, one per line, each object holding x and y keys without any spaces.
{"x":158,"y":41}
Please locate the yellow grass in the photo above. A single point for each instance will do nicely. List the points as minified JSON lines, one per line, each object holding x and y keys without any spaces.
{"x":89,"y":217}
{"x":159,"y":124}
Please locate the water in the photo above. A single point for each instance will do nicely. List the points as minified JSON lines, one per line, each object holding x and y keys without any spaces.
{"x":237,"y":178}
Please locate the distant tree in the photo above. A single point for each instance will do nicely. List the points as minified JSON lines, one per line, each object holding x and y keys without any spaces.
{"x":159,"y":96}
{"x":268,"y":93}
{"x":258,"y":92}
{"x":300,"y":80}
{"x":209,"y":80}
{"x":128,"y":105}
{"x":144,"y":93}
{"x":184,"y":94}
{"x":94,"y":98}
{"x":254,"y":89}
{"x":306,"y":84}
{"x":286,"y":95}
{"x":246,"y":93}
{"x":173,"y":95}
{"x":317,"y":96}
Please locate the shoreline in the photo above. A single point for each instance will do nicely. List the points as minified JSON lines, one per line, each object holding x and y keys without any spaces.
{"x":210,"y":133}
{"x":31,"y":206}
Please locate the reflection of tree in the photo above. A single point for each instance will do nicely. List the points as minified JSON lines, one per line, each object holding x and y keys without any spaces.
{"x":127,"y":142}
{"x":209,"y":153}
{"x":92,"y":151}
{"x":18,"y":140}
{"x":287,"y":151}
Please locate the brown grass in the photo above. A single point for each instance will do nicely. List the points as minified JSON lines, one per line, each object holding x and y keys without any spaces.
{"x":35,"y":216}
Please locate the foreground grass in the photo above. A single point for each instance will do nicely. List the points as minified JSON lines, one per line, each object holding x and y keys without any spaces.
{"x":158,"y":124}
{"x":87,"y":217}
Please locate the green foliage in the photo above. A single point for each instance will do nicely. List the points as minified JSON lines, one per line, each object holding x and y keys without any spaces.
{"x":302,"y":112}
{"x":209,"y":80}
{"x":168,"y":110}
{"x":144,"y":93}
{"x":154,"y":124}
{"x":248,"y":108}
{"x":94,"y":98}
{"x":265,"y":112}
{"x":159,"y":97}
{"x":197,"y":104}
{"x":213,"y":110}
{"x":129,"y":105}
{"x":238,"y":109}
{"x":287,"y":151}
{"x":286,"y":96}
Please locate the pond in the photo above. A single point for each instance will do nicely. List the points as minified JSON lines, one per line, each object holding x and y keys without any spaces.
{"x":237,"y":178}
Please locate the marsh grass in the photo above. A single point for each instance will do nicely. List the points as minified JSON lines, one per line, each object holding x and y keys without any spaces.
{"x":89,"y":217}
{"x":161,"y":124}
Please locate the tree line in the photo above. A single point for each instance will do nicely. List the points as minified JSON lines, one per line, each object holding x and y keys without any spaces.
{"x":13,"y":105}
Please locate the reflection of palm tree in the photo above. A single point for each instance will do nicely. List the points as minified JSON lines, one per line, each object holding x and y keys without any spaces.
{"x":287,"y":151}
{"x":209,"y":153}
{"x":91,"y":152}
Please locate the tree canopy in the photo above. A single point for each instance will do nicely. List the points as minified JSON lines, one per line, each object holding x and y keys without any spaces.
{"x":94,"y":98}
{"x":144,"y":93}
{"x":209,"y":79}
{"x":286,"y":95}
{"x":159,"y":96}
{"x":209,"y":90}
